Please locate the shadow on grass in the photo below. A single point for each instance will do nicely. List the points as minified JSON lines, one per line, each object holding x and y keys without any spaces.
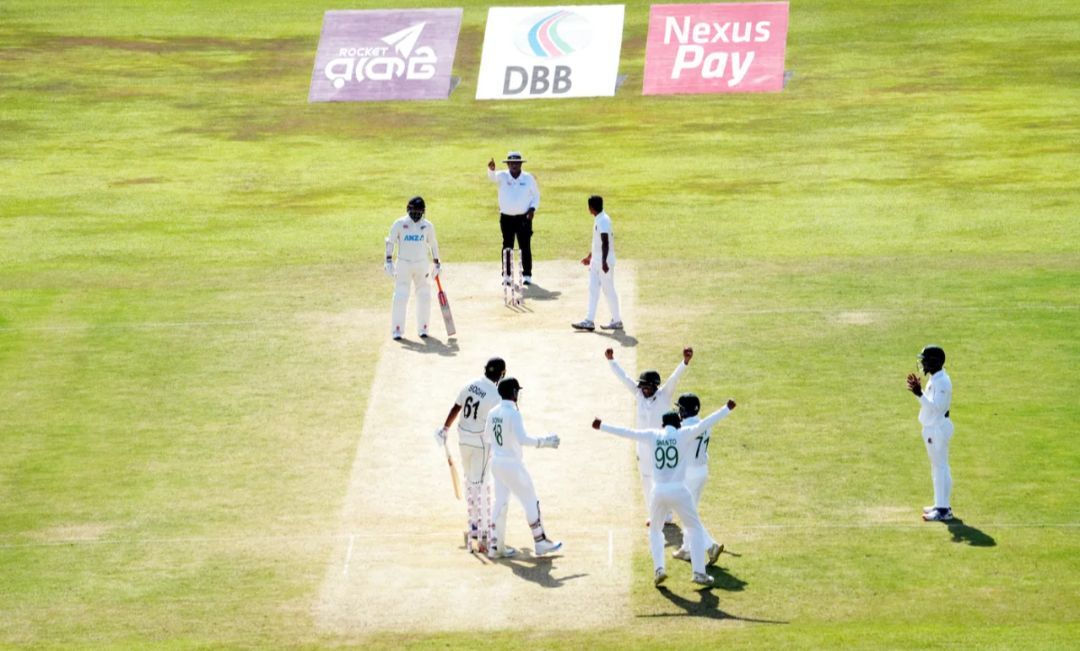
{"x":432,"y":346}
{"x":708,"y":608}
{"x":964,"y":533}
{"x":625,"y":340}
{"x":722,"y":579}
{"x":538,"y":570}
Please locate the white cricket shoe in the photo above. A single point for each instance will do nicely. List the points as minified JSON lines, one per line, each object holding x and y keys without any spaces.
{"x":682,"y":554}
{"x":614,"y":325}
{"x":927,"y":509}
{"x":702,"y":579}
{"x":660,"y":576}
{"x":527,"y":280}
{"x":546,"y":546}
{"x":938,"y":515}
{"x":714,"y":552}
{"x":495,"y":553}
{"x":584,"y":324}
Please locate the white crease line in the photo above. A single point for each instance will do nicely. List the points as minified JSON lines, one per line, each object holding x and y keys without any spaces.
{"x":377,"y":536}
{"x":348,"y":555}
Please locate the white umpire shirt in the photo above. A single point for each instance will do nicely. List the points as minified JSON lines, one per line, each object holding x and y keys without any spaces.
{"x":935,"y":401}
{"x":601,"y":225}
{"x":413,"y":239}
{"x":516,"y":196}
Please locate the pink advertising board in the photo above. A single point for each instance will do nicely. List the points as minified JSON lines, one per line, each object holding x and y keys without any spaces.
{"x":716,"y":48}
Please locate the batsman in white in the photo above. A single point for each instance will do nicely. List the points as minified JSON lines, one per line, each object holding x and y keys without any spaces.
{"x":671,"y":447}
{"x":506,"y":429}
{"x":697,"y":473}
{"x":413,"y":236}
{"x":474,"y":401}
{"x":652,"y":399}
{"x":937,"y":428}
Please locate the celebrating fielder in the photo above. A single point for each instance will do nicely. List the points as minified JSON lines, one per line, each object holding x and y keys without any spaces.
{"x":474,"y":402}
{"x":414,"y":236}
{"x":697,"y":473}
{"x":506,"y":430}
{"x":652,"y":401}
{"x":670,"y":448}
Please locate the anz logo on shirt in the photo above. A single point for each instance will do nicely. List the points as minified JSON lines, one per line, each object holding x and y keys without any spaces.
{"x":414,"y":238}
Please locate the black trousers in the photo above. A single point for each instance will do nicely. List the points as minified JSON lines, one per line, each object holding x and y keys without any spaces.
{"x":518,"y":226}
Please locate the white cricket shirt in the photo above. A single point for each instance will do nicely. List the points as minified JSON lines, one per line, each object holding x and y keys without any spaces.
{"x":935,"y":400}
{"x":476,"y":400}
{"x":505,"y":430}
{"x":413,"y":239}
{"x":669,"y":447}
{"x":602,"y":224}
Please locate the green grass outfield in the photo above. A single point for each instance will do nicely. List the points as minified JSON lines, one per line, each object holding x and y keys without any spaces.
{"x":176,"y":435}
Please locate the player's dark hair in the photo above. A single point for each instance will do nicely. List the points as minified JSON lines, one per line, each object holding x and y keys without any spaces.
{"x":596,"y":203}
{"x":671,"y":418}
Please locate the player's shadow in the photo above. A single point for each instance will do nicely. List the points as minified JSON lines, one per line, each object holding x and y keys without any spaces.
{"x":964,"y":533}
{"x":535,"y":292}
{"x":625,"y":340}
{"x":673,"y":537}
{"x":708,"y":608}
{"x":432,"y":346}
{"x":538,"y":570}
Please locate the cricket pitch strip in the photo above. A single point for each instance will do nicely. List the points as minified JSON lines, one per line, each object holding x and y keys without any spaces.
{"x":401,"y":564}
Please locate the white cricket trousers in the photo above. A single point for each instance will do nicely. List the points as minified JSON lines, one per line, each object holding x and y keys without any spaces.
{"x":606,"y":281}
{"x":668,"y":497}
{"x":937,"y":448}
{"x":511,"y":477}
{"x":476,"y":467}
{"x":696,"y":477}
{"x":410,"y":273}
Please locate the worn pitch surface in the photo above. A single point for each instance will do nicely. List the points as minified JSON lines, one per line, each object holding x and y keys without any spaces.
{"x":402,"y":563}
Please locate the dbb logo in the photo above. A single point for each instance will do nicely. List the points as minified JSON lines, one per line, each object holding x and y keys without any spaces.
{"x":539,"y":81}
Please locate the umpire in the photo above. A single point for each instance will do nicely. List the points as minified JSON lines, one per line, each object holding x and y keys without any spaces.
{"x":519,"y":198}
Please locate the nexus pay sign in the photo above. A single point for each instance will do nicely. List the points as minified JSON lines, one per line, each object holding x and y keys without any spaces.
{"x":693,"y":37}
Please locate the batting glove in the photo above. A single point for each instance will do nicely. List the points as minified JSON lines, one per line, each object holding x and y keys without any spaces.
{"x":440,"y":436}
{"x":438,"y":268}
{"x":389,"y":267}
{"x":550,"y":441}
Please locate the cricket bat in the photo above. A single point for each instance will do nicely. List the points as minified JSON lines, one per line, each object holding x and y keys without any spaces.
{"x":453,"y":473}
{"x":448,"y":319}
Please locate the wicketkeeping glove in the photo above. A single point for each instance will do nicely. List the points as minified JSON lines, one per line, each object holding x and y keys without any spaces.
{"x":550,"y":441}
{"x":389,"y":267}
{"x":440,"y":436}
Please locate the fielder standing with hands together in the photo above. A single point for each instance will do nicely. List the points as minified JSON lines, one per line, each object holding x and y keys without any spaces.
{"x":937,"y":428}
{"x":413,"y":236}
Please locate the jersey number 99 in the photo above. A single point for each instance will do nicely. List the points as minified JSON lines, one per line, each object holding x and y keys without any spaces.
{"x":667,"y":457}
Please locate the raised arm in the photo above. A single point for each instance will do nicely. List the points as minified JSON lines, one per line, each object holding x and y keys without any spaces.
{"x":643,"y":435}
{"x":672,"y":382}
{"x":706,"y":423}
{"x":627,"y":381}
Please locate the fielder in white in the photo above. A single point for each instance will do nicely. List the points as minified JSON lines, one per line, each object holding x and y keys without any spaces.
{"x":671,"y":447}
{"x":652,"y":400}
{"x":937,"y":428}
{"x":601,"y":264}
{"x":697,"y":473}
{"x":506,"y":430}
{"x":413,"y":236}
{"x":474,"y":401}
